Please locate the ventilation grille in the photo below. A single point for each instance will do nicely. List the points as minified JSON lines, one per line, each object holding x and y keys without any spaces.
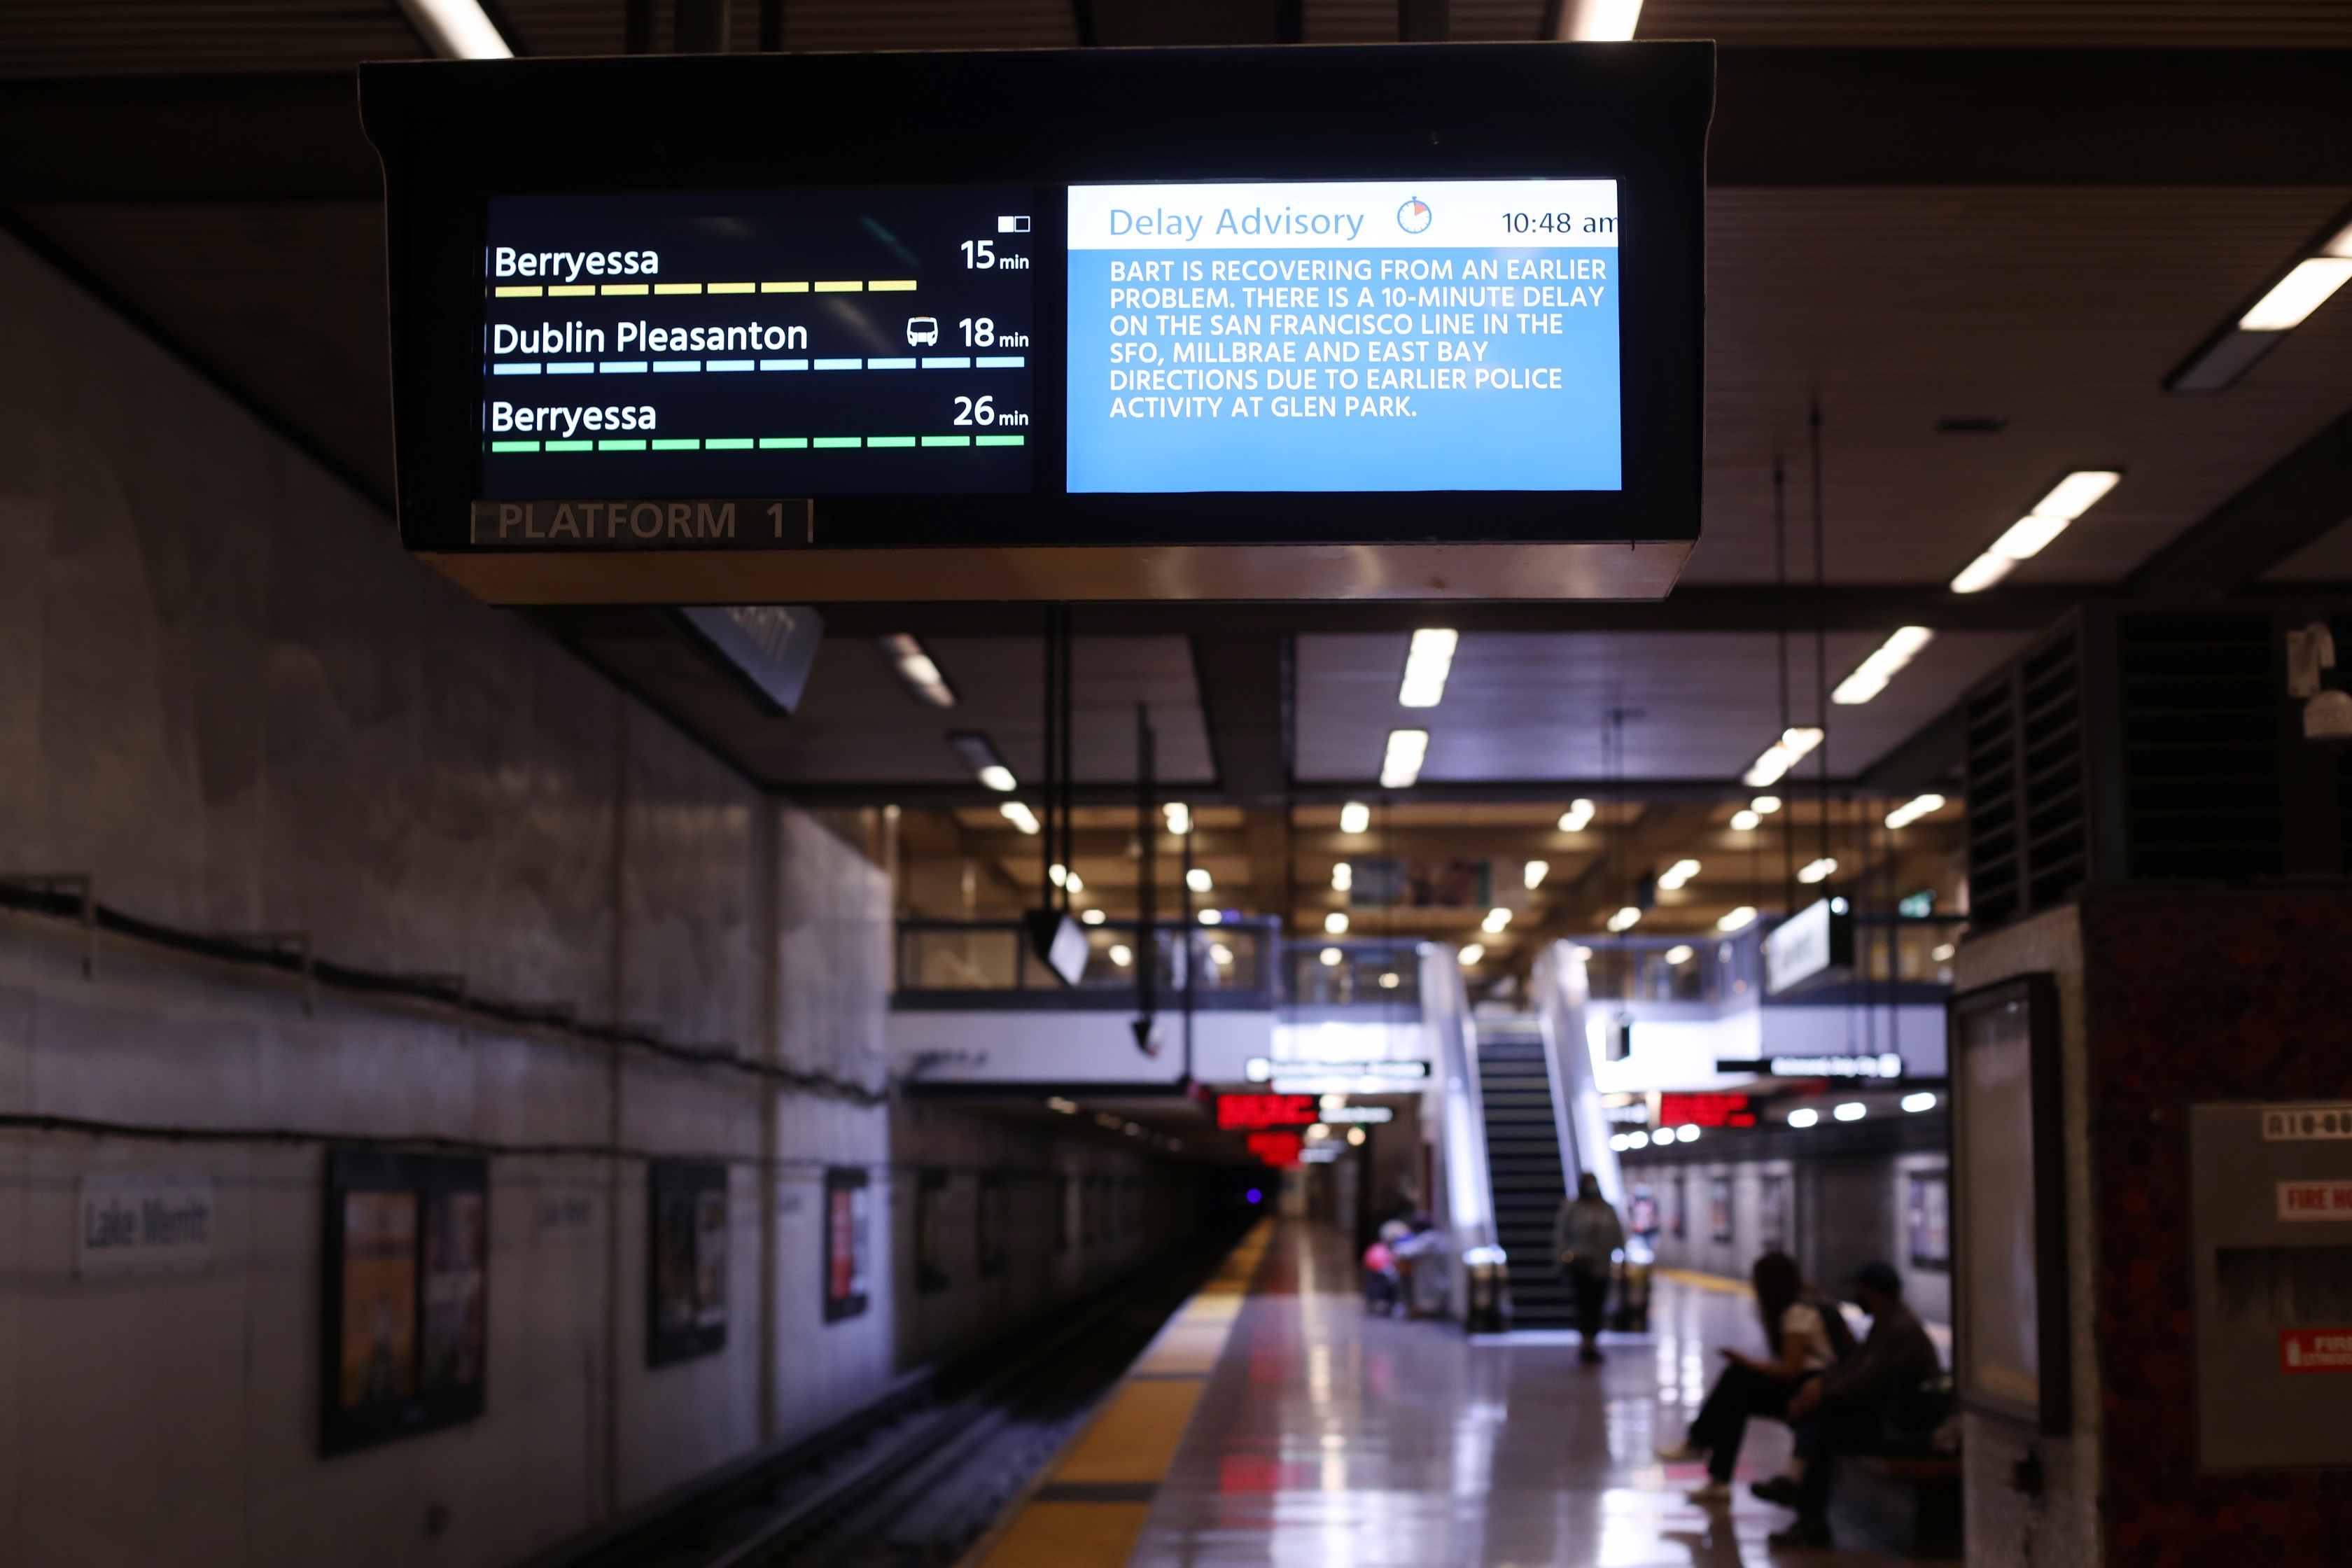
{"x":2200,"y":747}
{"x":2028,"y":839}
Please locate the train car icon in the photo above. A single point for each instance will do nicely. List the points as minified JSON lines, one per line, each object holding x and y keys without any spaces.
{"x":922,"y":331}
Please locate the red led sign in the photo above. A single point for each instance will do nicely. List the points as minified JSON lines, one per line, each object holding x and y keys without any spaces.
{"x":1246,"y":1110}
{"x":1279,"y":1149}
{"x":1707,"y":1110}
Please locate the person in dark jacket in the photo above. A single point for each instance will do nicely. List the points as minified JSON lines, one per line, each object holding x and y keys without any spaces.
{"x":1844,"y":1410}
{"x":1585,"y":1240}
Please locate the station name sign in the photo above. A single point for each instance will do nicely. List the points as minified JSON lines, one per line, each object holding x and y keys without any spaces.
{"x":1465,"y":336}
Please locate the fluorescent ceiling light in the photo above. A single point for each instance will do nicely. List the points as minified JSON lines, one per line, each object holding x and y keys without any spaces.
{"x":1852,"y":1110}
{"x":1220,"y":953}
{"x":1534,"y":872}
{"x":1671,"y":879}
{"x":1496,"y":919}
{"x":1121,"y":954}
{"x":1625,"y":918}
{"x":1179,"y":817}
{"x":1923,"y":1100}
{"x":1870,"y":677}
{"x":1076,"y":883}
{"x":1781,"y":755}
{"x":1092,"y":917}
{"x":1469,"y":956}
{"x":2296,"y":296}
{"x":1401,"y":765}
{"x":1343,"y":877}
{"x":917,"y":669}
{"x":1738,"y":919}
{"x":1744,"y":821}
{"x":1686,"y":1133}
{"x":1336,"y":923}
{"x":1765,"y":805}
{"x":1198,"y":879}
{"x":1982,"y":572}
{"x":2069,"y":498}
{"x":1804,"y":1117}
{"x":1020,"y":816}
{"x":456,"y":29}
{"x":1680,"y":952}
{"x":1355,"y":816}
{"x":2075,"y":494}
{"x":1331,"y":957}
{"x":1426,"y":667}
{"x":1598,"y":21}
{"x":1912,"y":810}
{"x":979,"y":753}
{"x":1211,"y":917}
{"x":1819,"y":870}
{"x":1577,"y":816}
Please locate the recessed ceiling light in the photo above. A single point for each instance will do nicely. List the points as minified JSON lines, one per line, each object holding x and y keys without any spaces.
{"x":458,"y":29}
{"x":1744,"y":821}
{"x":1199,"y":881}
{"x":979,"y":753}
{"x":1343,"y":877}
{"x":1805,"y":1116}
{"x":916,"y":668}
{"x":1598,"y":21}
{"x":1402,"y":764}
{"x":2295,"y":297}
{"x":1179,"y":817}
{"x":1738,"y":919}
{"x":1674,"y":877}
{"x":1534,"y":872}
{"x":1819,"y":870}
{"x":1426,"y":667}
{"x":1912,"y":810}
{"x":2307,"y":284}
{"x":1020,"y":816}
{"x":1355,"y":816}
{"x":2069,"y":498}
{"x":1578,"y":816}
{"x":1625,"y":918}
{"x":1781,"y":755}
{"x":1852,"y":1110}
{"x":1336,"y":923}
{"x":1982,"y":572}
{"x":1870,"y":677}
{"x":1331,"y":957}
{"x":1680,"y":954}
{"x":1496,"y":919}
{"x":1470,"y":955}
{"x":1092,"y":917}
{"x":1765,"y":805}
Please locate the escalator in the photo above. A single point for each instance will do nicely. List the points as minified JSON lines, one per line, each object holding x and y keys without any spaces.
{"x":1523,"y":1171}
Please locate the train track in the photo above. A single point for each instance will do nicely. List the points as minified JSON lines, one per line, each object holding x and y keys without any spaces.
{"x":915,"y":1486}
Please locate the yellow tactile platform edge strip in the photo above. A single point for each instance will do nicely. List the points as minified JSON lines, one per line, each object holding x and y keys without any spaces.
{"x":1127,"y":1449}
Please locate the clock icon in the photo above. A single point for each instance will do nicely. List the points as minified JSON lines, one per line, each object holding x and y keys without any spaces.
{"x":1414,"y":215}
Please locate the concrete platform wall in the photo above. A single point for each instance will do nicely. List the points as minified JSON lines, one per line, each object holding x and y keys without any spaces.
{"x":227,"y":695}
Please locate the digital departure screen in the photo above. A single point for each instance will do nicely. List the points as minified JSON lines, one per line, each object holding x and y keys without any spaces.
{"x":790,"y":342}
{"x":1360,"y":336}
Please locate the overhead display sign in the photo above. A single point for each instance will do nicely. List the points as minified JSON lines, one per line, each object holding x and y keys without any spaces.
{"x":1421,"y":323}
{"x":1812,"y":947}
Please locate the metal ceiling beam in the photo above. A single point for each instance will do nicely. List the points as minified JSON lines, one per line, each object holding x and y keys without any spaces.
{"x":1784,"y":118}
{"x":2300,"y":498}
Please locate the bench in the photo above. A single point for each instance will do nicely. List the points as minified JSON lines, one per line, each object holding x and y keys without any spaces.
{"x":1903,"y":1503}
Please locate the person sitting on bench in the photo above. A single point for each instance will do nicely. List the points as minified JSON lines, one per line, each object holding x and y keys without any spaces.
{"x":1845,"y":1409}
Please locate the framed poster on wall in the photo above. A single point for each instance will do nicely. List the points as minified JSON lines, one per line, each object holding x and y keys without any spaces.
{"x":685,"y":1260}
{"x":404,"y":1319}
{"x":2011,"y":1349}
{"x":1928,"y":1219}
{"x":847,"y":1232}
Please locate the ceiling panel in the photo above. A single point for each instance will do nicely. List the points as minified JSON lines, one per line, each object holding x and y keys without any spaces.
{"x":2059,"y":311}
{"x":858,"y":723}
{"x":122,"y":38}
{"x":1533,"y":706}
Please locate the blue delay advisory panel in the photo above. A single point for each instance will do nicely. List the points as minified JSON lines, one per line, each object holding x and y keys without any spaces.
{"x":1431,"y":335}
{"x":804,"y":342}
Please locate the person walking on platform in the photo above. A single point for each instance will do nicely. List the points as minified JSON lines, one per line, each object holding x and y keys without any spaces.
{"x":1586,"y":1238}
{"x":1808,"y":1337}
{"x":1847,"y":1408}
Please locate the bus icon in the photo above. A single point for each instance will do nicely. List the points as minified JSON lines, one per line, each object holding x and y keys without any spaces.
{"x":922,"y":331}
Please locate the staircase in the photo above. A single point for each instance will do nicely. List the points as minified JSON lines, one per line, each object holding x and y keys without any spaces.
{"x":1523,"y":1168}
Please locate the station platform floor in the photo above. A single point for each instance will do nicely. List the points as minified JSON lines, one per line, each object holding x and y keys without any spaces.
{"x":1275,"y":1422}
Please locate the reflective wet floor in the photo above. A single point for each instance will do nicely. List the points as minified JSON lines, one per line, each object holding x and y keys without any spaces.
{"x":1329,"y":1438}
